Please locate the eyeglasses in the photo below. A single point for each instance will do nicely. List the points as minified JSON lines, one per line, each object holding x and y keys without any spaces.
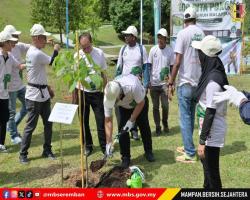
{"x":128,"y":35}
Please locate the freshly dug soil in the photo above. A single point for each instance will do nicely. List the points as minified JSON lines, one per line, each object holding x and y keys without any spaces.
{"x":97,"y":164}
{"x":114,"y":178}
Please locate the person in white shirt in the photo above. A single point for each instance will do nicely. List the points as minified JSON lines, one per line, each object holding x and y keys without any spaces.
{"x":93,"y":96}
{"x":38,"y":93}
{"x":7,"y":63}
{"x":188,"y":65}
{"x":211,"y":116}
{"x":133,"y":60}
{"x":161,"y":57}
{"x":17,"y":89}
{"x":127,"y":92}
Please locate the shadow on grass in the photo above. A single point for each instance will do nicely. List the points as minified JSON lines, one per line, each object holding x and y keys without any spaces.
{"x":172,"y":131}
{"x":38,"y":139}
{"x":162,"y":157}
{"x":235,"y":147}
{"x":29,"y":174}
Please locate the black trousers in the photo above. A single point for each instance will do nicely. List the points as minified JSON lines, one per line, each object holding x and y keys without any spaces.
{"x":143,"y":124}
{"x":211,"y":168}
{"x":35,"y":109}
{"x":4,"y":118}
{"x":95,"y":100}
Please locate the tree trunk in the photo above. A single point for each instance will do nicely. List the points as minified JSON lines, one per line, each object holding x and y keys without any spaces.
{"x":60,"y":31}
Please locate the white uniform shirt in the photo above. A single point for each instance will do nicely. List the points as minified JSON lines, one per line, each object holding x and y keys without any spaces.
{"x":36,"y":61}
{"x":5,"y":74}
{"x":216,"y":138}
{"x":160,"y":59}
{"x":98,"y":58}
{"x":190,"y":69}
{"x":131,"y":58}
{"x":16,"y":82}
{"x":133,"y":90}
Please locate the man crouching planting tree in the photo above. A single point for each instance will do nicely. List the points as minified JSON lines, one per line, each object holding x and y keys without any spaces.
{"x":38,"y":92}
{"x":128,"y":94}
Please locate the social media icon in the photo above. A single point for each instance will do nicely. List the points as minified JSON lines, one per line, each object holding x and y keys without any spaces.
{"x":29,"y":194}
{"x":21,"y":194}
{"x":13,"y":194}
{"x":37,"y":194}
{"x":6,"y":194}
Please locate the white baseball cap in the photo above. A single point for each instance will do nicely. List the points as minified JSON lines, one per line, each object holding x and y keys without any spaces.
{"x":190,"y":13}
{"x":111,"y":92}
{"x":210,"y":45}
{"x":37,"y":29}
{"x":11,"y":30}
{"x":5,"y":36}
{"x":131,"y":30}
{"x":163,"y":32}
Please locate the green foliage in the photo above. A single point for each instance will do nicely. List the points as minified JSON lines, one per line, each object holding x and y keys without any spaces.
{"x":127,"y":12}
{"x":104,"y":12}
{"x":66,"y":68}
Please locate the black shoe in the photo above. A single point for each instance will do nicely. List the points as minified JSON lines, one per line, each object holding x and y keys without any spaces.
{"x":88,"y":151}
{"x":48,"y":154}
{"x":125,"y":163}
{"x":158,"y":131}
{"x":150,"y":157}
{"x":135,"y":135}
{"x":23,"y":160}
{"x":166,"y":129}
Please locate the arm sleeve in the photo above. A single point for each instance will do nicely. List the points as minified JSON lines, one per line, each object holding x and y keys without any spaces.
{"x":43,"y":59}
{"x":179,"y":45}
{"x":108,"y":112}
{"x":103,"y":61}
{"x":207,"y":124}
{"x":55,"y":53}
{"x":171,"y":57}
{"x":245,"y":112}
{"x":119,"y":63}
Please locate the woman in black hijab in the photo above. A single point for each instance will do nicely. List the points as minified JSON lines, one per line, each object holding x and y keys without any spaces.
{"x":211,"y":116}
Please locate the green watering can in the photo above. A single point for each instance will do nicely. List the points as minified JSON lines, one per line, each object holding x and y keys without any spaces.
{"x":136,"y":178}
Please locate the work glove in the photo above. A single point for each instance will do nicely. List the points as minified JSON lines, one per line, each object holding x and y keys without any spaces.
{"x":129,"y":125}
{"x":109,"y":149}
{"x":231,"y":94}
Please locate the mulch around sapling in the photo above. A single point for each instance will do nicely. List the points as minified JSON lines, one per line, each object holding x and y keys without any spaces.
{"x":114,"y":178}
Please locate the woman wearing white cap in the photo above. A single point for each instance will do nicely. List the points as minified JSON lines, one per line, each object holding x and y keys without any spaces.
{"x":17,"y":88}
{"x":211,"y":116}
{"x":38,"y":93}
{"x":7,"y":63}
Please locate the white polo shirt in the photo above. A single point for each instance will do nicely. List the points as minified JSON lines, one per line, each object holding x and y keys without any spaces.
{"x":133,"y":90}
{"x":131,"y":58}
{"x":5,"y":74}
{"x":190,"y":69}
{"x":16,"y":82}
{"x":98,"y":57}
{"x":160,"y":59}
{"x":36,"y":61}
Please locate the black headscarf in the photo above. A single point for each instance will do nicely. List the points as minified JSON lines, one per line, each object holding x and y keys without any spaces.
{"x":212,"y":68}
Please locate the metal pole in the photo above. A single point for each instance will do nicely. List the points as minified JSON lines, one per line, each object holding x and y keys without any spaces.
{"x":141,"y":21}
{"x":157,"y":17}
{"x":67,"y":23}
{"x":61,"y":138}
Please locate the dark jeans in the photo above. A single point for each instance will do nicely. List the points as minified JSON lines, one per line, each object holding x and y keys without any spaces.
{"x":35,"y":109}
{"x":211,"y":168}
{"x":95,"y":100}
{"x":4,"y":117}
{"x":143,"y":124}
{"x":158,"y":94}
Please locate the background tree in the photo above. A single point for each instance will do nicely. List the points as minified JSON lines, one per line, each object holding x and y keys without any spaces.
{"x":127,"y":12}
{"x":52,"y":14}
{"x":104,"y":11}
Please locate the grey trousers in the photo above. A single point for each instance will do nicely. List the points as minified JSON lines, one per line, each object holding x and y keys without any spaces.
{"x":34,"y":110}
{"x":158,"y":94}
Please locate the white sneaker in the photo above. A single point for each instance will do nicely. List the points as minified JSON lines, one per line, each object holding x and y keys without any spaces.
{"x":16,"y":140}
{"x":3,"y":149}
